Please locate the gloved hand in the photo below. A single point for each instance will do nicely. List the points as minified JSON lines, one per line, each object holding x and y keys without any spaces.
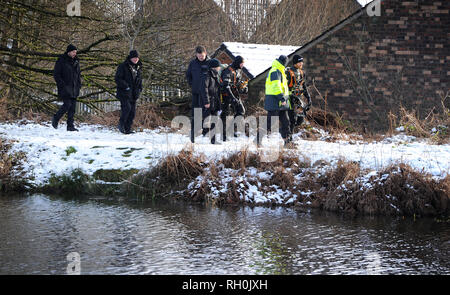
{"x":234,"y":101}
{"x":295,"y":100}
{"x":128,"y":88}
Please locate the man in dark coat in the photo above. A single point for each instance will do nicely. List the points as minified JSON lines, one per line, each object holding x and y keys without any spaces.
{"x":231,"y":79}
{"x":194,"y":79}
{"x":129,"y":87}
{"x":68,"y":80}
{"x":210,"y":94}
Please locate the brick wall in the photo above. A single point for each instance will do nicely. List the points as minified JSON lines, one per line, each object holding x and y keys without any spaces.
{"x":375,"y":64}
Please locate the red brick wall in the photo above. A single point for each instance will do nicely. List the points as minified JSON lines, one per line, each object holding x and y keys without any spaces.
{"x":375,"y":64}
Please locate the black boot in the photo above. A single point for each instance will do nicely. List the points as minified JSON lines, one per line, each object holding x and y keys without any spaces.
{"x":54,"y":122}
{"x":72,"y":128}
{"x":121,"y":129}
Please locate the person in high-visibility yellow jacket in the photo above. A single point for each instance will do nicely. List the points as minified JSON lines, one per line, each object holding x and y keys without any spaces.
{"x":277,"y":97}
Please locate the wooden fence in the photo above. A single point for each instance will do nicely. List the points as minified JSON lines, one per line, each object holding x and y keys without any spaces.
{"x":157,"y":94}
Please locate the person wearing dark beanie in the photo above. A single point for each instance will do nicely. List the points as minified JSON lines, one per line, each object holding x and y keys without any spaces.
{"x":129,"y":87}
{"x":283,"y":60}
{"x":238,"y":62}
{"x":298,"y":90}
{"x":214,"y":63}
{"x":67,"y":75}
{"x":210,"y":97}
{"x":133,"y":54}
{"x":231,"y":91}
{"x":71,"y":47}
{"x":276,"y":101}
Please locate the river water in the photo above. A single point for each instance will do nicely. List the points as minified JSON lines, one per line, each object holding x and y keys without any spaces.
{"x":38,"y":232}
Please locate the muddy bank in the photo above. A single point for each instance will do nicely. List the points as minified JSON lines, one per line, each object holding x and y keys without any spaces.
{"x":10,"y":181}
{"x":290,"y":181}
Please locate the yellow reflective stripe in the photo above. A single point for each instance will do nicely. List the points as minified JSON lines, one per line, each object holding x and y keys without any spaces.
{"x":277,"y":87}
{"x":273,"y":87}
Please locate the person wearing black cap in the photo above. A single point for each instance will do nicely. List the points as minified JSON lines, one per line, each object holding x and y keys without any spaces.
{"x":297,"y":90}
{"x":194,"y":72}
{"x":276,"y":102}
{"x":210,"y":94}
{"x":129,"y":87}
{"x":230,"y":91}
{"x":68,"y":80}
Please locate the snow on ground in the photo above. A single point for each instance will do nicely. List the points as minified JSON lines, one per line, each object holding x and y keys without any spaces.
{"x":97,"y":147}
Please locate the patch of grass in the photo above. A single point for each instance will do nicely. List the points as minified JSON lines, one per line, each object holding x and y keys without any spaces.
{"x":114,"y":175}
{"x":75,"y":183}
{"x":70,"y":150}
{"x":127,"y":153}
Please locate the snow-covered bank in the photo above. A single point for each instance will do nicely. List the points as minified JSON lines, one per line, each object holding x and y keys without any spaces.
{"x":49,"y":151}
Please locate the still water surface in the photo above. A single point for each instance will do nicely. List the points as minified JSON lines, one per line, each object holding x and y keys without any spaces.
{"x":38,"y":232}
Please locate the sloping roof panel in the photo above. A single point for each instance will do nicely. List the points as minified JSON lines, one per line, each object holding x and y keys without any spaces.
{"x":258,"y":57}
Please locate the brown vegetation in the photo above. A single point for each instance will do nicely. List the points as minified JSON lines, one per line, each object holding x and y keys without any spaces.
{"x":9,"y":168}
{"x":296,"y":22}
{"x":398,"y":190}
{"x":436,"y":125}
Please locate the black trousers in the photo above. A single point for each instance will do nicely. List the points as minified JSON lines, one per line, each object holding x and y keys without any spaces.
{"x":69,"y":108}
{"x":292,"y":121}
{"x":204,"y":114}
{"x":127,"y":113}
{"x":227,"y":108}
{"x":283,"y":118}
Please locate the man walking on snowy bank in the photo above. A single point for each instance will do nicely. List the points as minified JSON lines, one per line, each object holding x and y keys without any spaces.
{"x":129,"y":87}
{"x":197,"y":67}
{"x":68,"y":80}
{"x":277,"y":97}
{"x":297,"y":90}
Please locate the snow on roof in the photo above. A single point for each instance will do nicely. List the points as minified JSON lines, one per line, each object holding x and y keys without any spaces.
{"x":364,"y":2}
{"x":258,"y":57}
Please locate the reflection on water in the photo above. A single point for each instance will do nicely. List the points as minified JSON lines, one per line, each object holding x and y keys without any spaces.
{"x":38,"y":232}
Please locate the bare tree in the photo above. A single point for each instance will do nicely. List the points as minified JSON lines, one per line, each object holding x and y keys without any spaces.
{"x":295,"y":22}
{"x":33,"y":33}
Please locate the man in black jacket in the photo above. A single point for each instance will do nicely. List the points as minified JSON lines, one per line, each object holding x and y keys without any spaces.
{"x":210,"y":94}
{"x":231,"y":80}
{"x":194,"y":78}
{"x":68,"y":80}
{"x":129,"y":87}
